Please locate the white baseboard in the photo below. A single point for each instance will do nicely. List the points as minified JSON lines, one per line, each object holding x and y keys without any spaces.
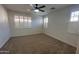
{"x":3,"y":42}
{"x":59,"y":39}
{"x":25,"y":34}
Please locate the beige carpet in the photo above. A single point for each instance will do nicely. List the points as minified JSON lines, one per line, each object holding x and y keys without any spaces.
{"x":37,"y":44}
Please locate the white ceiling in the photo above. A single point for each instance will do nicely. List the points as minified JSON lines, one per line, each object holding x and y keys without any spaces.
{"x":27,"y":8}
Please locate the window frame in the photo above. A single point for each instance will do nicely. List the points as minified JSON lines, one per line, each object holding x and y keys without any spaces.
{"x":74,"y":16}
{"x":21,"y":21}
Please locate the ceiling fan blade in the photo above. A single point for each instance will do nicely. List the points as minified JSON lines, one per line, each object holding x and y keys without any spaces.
{"x":41,"y":10}
{"x":42,"y":6}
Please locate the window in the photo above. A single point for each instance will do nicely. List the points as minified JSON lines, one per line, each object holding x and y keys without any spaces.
{"x":22,"y":21}
{"x":45,"y":22}
{"x":74,"y":16}
{"x":73,"y":26}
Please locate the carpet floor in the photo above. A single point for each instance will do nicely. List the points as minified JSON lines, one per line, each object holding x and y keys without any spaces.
{"x":36,"y":44}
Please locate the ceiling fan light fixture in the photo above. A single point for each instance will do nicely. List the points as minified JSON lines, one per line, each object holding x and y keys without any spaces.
{"x":36,"y":10}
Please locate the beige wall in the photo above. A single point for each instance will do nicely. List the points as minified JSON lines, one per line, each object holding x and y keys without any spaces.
{"x":36,"y":25}
{"x":77,"y":51}
{"x":58,"y":26}
{"x":4,"y":26}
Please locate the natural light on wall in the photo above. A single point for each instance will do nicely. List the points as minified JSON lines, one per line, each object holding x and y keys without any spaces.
{"x":74,"y":23}
{"x":45,"y":22}
{"x":22,"y":21}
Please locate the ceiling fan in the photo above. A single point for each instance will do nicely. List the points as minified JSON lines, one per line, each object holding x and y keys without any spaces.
{"x":37,"y":8}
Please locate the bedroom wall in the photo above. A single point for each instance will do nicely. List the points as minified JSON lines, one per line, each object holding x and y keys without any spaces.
{"x":36,"y":25}
{"x":4,"y":26}
{"x":58,"y":26}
